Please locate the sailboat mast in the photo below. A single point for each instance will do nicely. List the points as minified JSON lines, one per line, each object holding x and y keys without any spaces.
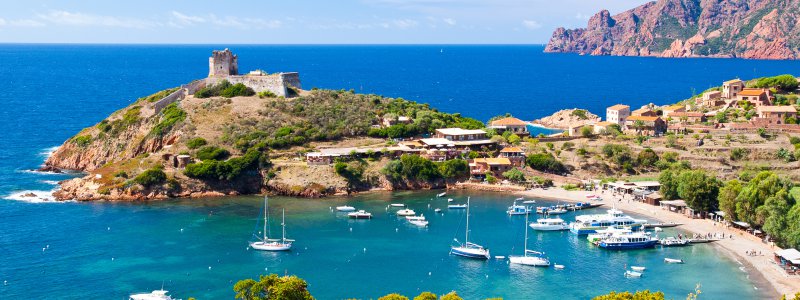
{"x":526,"y":233}
{"x":283,"y":224}
{"x":265,"y":218}
{"x":466,"y":235}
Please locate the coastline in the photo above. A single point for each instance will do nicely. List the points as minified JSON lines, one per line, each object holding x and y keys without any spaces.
{"x":764,"y":275}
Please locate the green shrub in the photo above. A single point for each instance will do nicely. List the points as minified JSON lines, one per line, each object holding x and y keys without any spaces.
{"x":229,"y":169}
{"x":196,"y":143}
{"x":82,"y":140}
{"x":546,"y":163}
{"x":784,"y":82}
{"x":266,"y":94}
{"x":170,"y":115}
{"x":158,"y":95}
{"x":454,"y":169}
{"x":514,"y":175}
{"x":411,"y":166}
{"x":151,"y":177}
{"x":212,"y":153}
{"x":738,"y":153}
{"x":121,"y":174}
{"x":237,"y":90}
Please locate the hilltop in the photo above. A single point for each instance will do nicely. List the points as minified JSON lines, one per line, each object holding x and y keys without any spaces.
{"x":755,"y":29}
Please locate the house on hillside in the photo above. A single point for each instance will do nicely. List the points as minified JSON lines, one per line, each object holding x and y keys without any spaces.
{"x":673,"y":109}
{"x":776,"y":114}
{"x":514,"y":154}
{"x":617,"y":113}
{"x":645,"y":125}
{"x":757,"y":97}
{"x":711,"y":99}
{"x":684,"y":117}
{"x":496,"y":166}
{"x":644,"y":112}
{"x":731,"y":88}
{"x":601,"y":127}
{"x":512,"y":124}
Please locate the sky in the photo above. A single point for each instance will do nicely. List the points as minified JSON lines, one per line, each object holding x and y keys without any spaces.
{"x":296,"y":21}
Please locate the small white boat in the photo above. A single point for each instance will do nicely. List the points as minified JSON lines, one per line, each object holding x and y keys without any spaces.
{"x":449,"y":199}
{"x":361,"y":214}
{"x":558,"y":267}
{"x":673,"y":260}
{"x":529,"y":202}
{"x":154,"y":295}
{"x":632,"y":274}
{"x":499,"y":257}
{"x":416,"y":218}
{"x":550,"y":225}
{"x":457,"y":206}
{"x":420,"y":223}
{"x":397,"y":205}
{"x":442,"y":194}
{"x":516,"y":209}
{"x":345,"y":208}
{"x":438,"y":210}
{"x":638,"y":269}
{"x":557,"y":211}
{"x":673,"y":242}
{"x":405,"y":212}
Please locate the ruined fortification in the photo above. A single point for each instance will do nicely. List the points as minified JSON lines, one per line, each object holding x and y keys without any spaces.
{"x":224,"y":65}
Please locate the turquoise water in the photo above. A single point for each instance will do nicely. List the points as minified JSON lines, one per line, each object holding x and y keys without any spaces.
{"x":199,"y":248}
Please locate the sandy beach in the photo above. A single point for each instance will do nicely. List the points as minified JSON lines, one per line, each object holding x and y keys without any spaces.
{"x":767,"y":277}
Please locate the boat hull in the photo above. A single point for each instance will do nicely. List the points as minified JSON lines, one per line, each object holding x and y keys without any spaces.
{"x":627,"y":246}
{"x":270,"y":246}
{"x":549,"y":227}
{"x":529,"y":261}
{"x":470,"y":252}
{"x":593,"y":229}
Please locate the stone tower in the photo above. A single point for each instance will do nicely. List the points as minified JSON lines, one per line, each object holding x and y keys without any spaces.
{"x":223,"y":63}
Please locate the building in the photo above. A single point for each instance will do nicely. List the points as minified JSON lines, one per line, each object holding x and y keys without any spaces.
{"x":496,"y":166}
{"x":601,"y":127}
{"x":575,"y":129}
{"x":512,"y":124}
{"x":645,"y":125}
{"x":673,"y":109}
{"x":514,"y":154}
{"x":776,"y":114}
{"x":616,"y":114}
{"x":644,"y":112}
{"x":687,"y":117}
{"x":731,"y":88}
{"x":712,"y":99}
{"x":386,"y":122}
{"x":463,"y":137}
{"x":224,"y":65}
{"x":757,"y":97}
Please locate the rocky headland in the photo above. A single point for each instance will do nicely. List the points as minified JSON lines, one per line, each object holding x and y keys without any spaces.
{"x":753,"y":29}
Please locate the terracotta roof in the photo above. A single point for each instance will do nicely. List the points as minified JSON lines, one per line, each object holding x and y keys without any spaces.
{"x":686,"y":114}
{"x":641,"y":118}
{"x":511,"y":149}
{"x":508,"y":121}
{"x":733,"y":81}
{"x":619,"y":107}
{"x":785,"y":108}
{"x":459,"y":131}
{"x":675,"y":107}
{"x":494,"y":161}
{"x":752,"y":92}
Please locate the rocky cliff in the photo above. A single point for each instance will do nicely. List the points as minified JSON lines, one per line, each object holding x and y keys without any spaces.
{"x":754,"y":29}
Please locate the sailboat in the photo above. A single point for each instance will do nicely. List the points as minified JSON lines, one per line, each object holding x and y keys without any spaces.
{"x":265,"y":243}
{"x":536,"y":259}
{"x":468,"y":249}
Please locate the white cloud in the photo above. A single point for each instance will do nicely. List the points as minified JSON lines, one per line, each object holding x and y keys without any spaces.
{"x":581,"y":16}
{"x":2,"y":22}
{"x":449,"y":21}
{"x":245,"y":23}
{"x":180,"y":20}
{"x":61,"y":17}
{"x":531,"y":24}
{"x":404,"y":23}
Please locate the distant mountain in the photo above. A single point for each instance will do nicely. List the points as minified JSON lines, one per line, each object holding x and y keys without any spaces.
{"x":756,"y":29}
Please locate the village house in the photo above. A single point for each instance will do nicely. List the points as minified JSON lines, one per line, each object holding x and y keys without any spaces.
{"x":711,"y":99}
{"x":617,"y":113}
{"x":512,"y":124}
{"x":644,"y":112}
{"x":389,"y":121}
{"x":496,"y":166}
{"x":463,"y":137}
{"x":776,"y":114}
{"x":731,"y":88}
{"x":513,"y":154}
{"x":667,"y":111}
{"x":757,"y":97}
{"x":601,"y":127}
{"x":575,"y":129}
{"x":645,"y":125}
{"x":685,"y":117}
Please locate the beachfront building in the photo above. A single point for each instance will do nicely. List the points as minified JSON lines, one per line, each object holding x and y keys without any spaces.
{"x":496,"y":166}
{"x":776,"y":114}
{"x":731,"y":88}
{"x":514,"y":154}
{"x":684,"y":117}
{"x":757,"y":97}
{"x":618,"y":113}
{"x":645,"y":125}
{"x":788,"y":260}
{"x":644,"y":112}
{"x":464,"y":137}
{"x":512,"y":124}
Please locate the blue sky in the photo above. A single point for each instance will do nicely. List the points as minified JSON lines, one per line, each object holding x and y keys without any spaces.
{"x":296,"y":21}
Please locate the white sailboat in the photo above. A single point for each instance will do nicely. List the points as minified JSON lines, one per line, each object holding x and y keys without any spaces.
{"x":265,"y":243}
{"x":536,"y":259}
{"x":468,"y":249}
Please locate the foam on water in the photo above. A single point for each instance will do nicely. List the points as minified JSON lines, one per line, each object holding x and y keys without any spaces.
{"x":53,"y":182}
{"x":47,"y":152}
{"x":40,"y":196}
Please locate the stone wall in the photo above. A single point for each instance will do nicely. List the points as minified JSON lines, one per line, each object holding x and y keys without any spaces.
{"x":169,"y":99}
{"x":275,"y":83}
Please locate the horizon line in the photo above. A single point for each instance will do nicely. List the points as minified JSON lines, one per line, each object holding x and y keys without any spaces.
{"x":275,"y":44}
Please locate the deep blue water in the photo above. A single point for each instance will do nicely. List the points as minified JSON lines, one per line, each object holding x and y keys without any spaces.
{"x":50,"y":92}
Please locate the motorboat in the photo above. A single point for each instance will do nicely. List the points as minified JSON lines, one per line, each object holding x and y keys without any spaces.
{"x":397,"y":205}
{"x":638,"y":269}
{"x":529,"y":202}
{"x":405,"y":212}
{"x":345,"y":208}
{"x":516,"y":209}
{"x":554,"y":224}
{"x":468,"y":249}
{"x":556,"y":211}
{"x":457,"y":206}
{"x":628,"y":241}
{"x":416,"y":218}
{"x":438,"y":210}
{"x":673,"y":242}
{"x":154,"y":295}
{"x":613,"y":218}
{"x":442,"y":194}
{"x":632,"y":274}
{"x":673,"y":260}
{"x":604,"y":233}
{"x":530,"y":257}
{"x":361,"y":214}
{"x":558,"y":267}
{"x":420,"y":223}
{"x":449,"y":199}
{"x":264,"y":243}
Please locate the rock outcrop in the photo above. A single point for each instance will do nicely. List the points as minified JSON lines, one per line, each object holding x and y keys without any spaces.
{"x":562,"y":119}
{"x":754,"y":29}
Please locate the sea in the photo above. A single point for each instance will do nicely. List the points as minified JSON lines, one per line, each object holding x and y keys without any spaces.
{"x":198,"y":247}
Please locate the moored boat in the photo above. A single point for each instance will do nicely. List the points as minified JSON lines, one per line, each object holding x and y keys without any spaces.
{"x":613,"y":218}
{"x":442,"y":194}
{"x":516,"y":209}
{"x":530,"y":257}
{"x":416,"y":218}
{"x":558,"y":267}
{"x":265,"y":243}
{"x":457,"y":206}
{"x":345,"y":208}
{"x":638,"y":269}
{"x":361,"y":214}
{"x":405,"y":212}
{"x":673,"y":242}
{"x":438,"y":210}
{"x":154,"y":295}
{"x":604,"y":233}
{"x":633,"y":274}
{"x":468,"y":249}
{"x":397,"y":205}
{"x":554,"y":224}
{"x":420,"y":223}
{"x":673,"y":260}
{"x":628,"y":241}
